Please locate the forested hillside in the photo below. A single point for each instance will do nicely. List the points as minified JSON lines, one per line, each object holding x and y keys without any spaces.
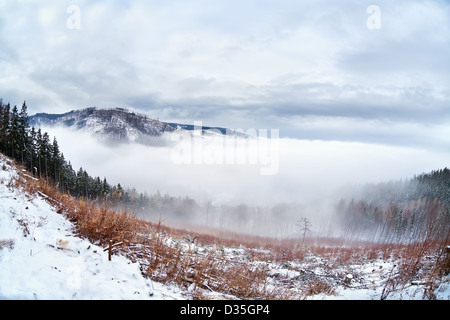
{"x":400,"y":211}
{"x":41,"y":155}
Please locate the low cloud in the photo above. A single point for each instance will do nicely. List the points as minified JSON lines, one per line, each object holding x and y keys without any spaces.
{"x":306,"y":170}
{"x":310,"y":177}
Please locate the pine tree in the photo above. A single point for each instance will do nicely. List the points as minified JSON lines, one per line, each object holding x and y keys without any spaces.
{"x":1,"y":123}
{"x":43,"y":151}
{"x":4,"y":133}
{"x":56,"y":162}
{"x":106,"y":188}
{"x":24,"y":139}
{"x":81,"y":183}
{"x":96,"y":188}
{"x":14,"y":133}
{"x":117,"y":193}
{"x":37,"y":145}
{"x":32,"y":153}
{"x":69,"y":178}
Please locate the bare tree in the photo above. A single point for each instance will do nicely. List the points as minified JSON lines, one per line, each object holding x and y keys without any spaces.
{"x":304,"y":226}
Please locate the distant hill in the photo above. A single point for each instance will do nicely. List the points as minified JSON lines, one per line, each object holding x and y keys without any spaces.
{"x":116,"y":125}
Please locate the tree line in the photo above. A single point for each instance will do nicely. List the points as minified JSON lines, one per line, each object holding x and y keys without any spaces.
{"x":42,"y":157}
{"x":400,"y":211}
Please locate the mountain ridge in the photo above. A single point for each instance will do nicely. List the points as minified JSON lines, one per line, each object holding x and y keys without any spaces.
{"x":118,"y":124}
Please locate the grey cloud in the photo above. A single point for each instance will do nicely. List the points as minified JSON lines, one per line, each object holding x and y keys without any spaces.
{"x":237,"y":64}
{"x":389,"y":58}
{"x":409,"y":104}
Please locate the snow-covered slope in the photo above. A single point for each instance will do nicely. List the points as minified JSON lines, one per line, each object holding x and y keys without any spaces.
{"x":41,"y":256}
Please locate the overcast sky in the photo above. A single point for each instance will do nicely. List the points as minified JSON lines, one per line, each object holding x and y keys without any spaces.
{"x":330,"y":70}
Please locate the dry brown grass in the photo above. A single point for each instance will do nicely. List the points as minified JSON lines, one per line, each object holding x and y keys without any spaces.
{"x":318,"y":286}
{"x":206,"y":271}
{"x":422,"y":263}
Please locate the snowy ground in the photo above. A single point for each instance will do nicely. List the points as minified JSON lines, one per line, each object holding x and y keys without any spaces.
{"x":42,"y":258}
{"x":362,"y":279}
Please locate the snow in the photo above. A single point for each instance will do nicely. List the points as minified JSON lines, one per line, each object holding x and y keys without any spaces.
{"x":41,"y":257}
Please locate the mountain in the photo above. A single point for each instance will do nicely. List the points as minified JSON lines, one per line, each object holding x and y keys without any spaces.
{"x":117,"y":125}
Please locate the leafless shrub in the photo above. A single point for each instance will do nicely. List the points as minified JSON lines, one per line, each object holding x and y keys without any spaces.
{"x":24,"y":224}
{"x":8,"y":243}
{"x":318,"y":286}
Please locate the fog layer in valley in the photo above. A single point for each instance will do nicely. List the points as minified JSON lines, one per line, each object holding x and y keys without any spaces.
{"x":261,"y":185}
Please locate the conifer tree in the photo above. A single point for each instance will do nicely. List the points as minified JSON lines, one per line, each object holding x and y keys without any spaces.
{"x":80,"y":183}
{"x":70,"y":178}
{"x":24,"y":139}
{"x":4,"y":134}
{"x":14,"y":133}
{"x":1,"y":124}
{"x":56,"y":161}
{"x":45,"y":154}
{"x":106,"y":188}
{"x":37,"y":144}
{"x":32,"y":151}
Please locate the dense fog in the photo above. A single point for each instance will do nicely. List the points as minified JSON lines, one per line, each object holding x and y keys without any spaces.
{"x":261,"y":184}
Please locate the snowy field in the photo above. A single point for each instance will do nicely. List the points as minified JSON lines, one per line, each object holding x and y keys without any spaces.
{"x":41,"y":257}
